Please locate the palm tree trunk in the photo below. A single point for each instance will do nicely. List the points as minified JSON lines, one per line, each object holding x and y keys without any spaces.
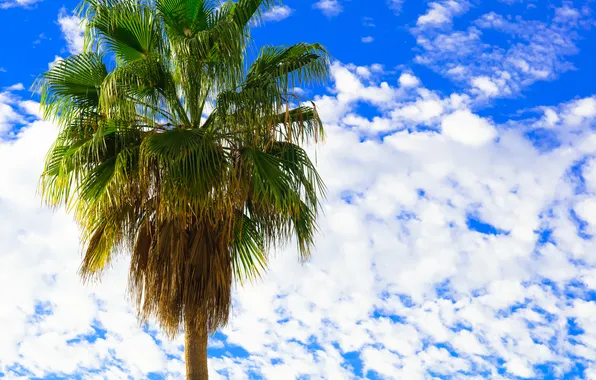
{"x":195,"y":350}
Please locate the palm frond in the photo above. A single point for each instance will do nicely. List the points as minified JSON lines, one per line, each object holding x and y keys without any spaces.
{"x":243,"y":11}
{"x":298,"y":65}
{"x":249,"y":257}
{"x":71,"y":88}
{"x":129,"y":29}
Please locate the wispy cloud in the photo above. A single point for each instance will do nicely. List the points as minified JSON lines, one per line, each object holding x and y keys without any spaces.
{"x":369,"y":22}
{"x":395,"y":5}
{"x":40,"y":38}
{"x":5,"y":4}
{"x":277,"y":13}
{"x":367,"y":39}
{"x":536,"y":50}
{"x":329,"y":7}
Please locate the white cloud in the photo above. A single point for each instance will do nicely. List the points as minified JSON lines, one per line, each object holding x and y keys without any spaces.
{"x":466,"y":342}
{"x":551,"y":117}
{"x":408,"y":80}
{"x":577,"y":113}
{"x":350,"y":87}
{"x":376,"y":125}
{"x":519,"y":367}
{"x":566,"y":14}
{"x":586,"y":210}
{"x":467,"y":128}
{"x":420,"y":111}
{"x":4,"y":4}
{"x":367,"y":39}
{"x":56,"y":60}
{"x":486,"y":86}
{"x":376,"y":67}
{"x":585,"y":108}
{"x":363,"y":72}
{"x":278,"y":13}
{"x":8,"y":115}
{"x":30,"y":107}
{"x":442,"y":12}
{"x":15,"y":87}
{"x":72,"y":31}
{"x":589,"y":174}
{"x":329,"y":7}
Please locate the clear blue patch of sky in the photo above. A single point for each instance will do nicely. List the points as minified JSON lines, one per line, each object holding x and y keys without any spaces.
{"x":545,"y":236}
{"x":543,"y":139}
{"x":381,"y":314}
{"x":577,"y":290}
{"x":575,"y":175}
{"x":228,"y":350}
{"x":98,"y":333}
{"x":19,"y":370}
{"x":580,"y":224}
{"x":354,"y":362}
{"x":444,"y":291}
{"x":475,"y":223}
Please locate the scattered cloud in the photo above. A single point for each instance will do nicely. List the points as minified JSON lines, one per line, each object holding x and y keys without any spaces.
{"x":277,"y":13}
{"x":367,"y":39}
{"x":15,"y":87}
{"x":56,"y":60}
{"x":395,"y":5}
{"x":329,"y":8}
{"x":486,"y":86}
{"x":5,"y":4}
{"x":40,"y":38}
{"x":442,"y":12}
{"x":531,"y":51}
{"x":369,"y":22}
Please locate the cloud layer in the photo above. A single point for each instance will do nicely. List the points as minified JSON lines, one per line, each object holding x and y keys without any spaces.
{"x":462,"y":249}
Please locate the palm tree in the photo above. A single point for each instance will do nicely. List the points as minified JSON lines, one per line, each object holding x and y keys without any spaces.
{"x":171,"y":148}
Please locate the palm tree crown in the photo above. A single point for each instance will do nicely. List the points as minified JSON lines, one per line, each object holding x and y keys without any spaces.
{"x":174,"y":149}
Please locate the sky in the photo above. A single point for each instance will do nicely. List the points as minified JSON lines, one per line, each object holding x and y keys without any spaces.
{"x":458,"y":235}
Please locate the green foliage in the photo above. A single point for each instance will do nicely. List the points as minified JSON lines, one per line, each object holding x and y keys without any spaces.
{"x":197,"y":198}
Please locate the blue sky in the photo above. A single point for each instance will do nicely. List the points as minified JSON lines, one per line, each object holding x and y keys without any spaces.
{"x":459,"y":231}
